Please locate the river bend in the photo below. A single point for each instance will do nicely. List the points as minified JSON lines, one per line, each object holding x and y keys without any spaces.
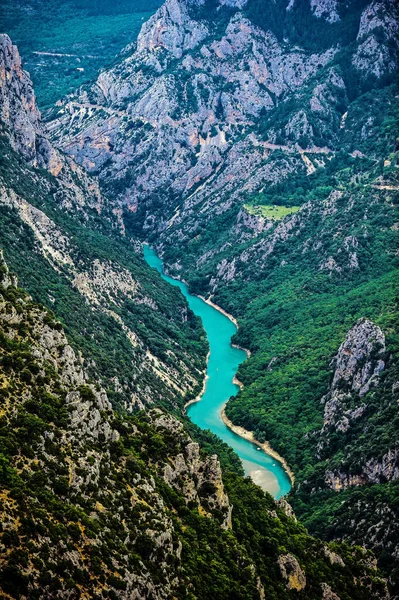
{"x":223,"y":363}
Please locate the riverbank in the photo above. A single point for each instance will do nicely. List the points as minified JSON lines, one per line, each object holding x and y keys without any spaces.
{"x":220,"y":309}
{"x":232,"y":319}
{"x":221,"y":383}
{"x":206,"y":377}
{"x":240,"y":431}
{"x":265,"y":446}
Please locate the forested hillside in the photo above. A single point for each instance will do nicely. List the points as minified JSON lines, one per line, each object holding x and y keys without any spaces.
{"x":95,"y":504}
{"x":256,"y":146}
{"x":64,"y":43}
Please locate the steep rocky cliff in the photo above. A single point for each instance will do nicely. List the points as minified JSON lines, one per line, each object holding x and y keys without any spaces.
{"x":92,"y":281}
{"x":357,"y":447}
{"x":358,"y":365}
{"x":21,"y":123}
{"x":213,"y":103}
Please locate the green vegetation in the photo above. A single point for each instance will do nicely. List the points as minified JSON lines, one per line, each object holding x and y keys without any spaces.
{"x":158,"y":317}
{"x":83,"y":36}
{"x":272,"y":213}
{"x":296,"y":296}
{"x":89,"y":516}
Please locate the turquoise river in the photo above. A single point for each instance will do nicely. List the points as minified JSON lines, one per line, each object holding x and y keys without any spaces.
{"x":223,"y":363}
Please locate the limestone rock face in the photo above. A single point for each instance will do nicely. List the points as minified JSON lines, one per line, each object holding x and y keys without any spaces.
{"x":325,"y":9}
{"x":358,"y":365}
{"x":287,"y":508}
{"x":328,"y":594}
{"x":214,"y":110}
{"x":373,"y":54}
{"x":357,"y":368}
{"x":19,"y":111}
{"x":199,"y":479}
{"x":292,"y":572}
{"x":6,"y":278}
{"x":171,"y":29}
{"x":189,"y":122}
{"x":21,"y":122}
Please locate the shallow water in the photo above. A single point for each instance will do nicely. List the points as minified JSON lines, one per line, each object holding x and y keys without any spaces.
{"x":223,"y":363}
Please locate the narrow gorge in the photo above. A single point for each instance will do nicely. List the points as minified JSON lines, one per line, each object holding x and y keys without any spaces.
{"x":163,"y":166}
{"x":207,"y":410}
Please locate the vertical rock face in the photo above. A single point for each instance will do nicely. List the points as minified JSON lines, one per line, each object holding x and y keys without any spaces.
{"x":359,"y":359}
{"x":377,"y":37}
{"x":292,"y":572}
{"x":358,"y":365}
{"x":19,"y":111}
{"x":6,"y":278}
{"x":21,"y":122}
{"x":171,"y":29}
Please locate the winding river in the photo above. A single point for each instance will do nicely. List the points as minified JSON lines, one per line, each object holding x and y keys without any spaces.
{"x":223,"y":363}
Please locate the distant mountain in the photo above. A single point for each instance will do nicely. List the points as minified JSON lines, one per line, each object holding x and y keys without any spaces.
{"x":218,"y":101}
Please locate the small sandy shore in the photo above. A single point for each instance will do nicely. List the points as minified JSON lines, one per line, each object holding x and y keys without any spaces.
{"x":198,"y":398}
{"x":248,"y":435}
{"x":221,"y":310}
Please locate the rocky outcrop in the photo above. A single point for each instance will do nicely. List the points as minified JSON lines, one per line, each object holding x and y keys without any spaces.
{"x":328,"y":594}
{"x":374,"y":470}
{"x":358,"y":364}
{"x":378,"y":39}
{"x":172,"y":29}
{"x":21,"y":122}
{"x":19,"y":112}
{"x":200,"y":480}
{"x":7,"y":279}
{"x":292,"y":572}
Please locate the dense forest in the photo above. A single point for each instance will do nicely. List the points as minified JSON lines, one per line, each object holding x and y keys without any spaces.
{"x":89,"y":508}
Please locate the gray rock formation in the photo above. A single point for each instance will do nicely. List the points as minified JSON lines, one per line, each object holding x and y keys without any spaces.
{"x":357,"y":368}
{"x":21,"y":121}
{"x":188,"y":109}
{"x":358,"y":365}
{"x":19,"y":112}
{"x":292,"y":572}
{"x":7,"y":279}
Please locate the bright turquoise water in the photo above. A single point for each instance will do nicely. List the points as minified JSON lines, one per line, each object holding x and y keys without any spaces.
{"x":222,"y":366}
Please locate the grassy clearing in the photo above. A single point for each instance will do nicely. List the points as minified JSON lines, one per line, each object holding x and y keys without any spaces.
{"x":273,"y":213}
